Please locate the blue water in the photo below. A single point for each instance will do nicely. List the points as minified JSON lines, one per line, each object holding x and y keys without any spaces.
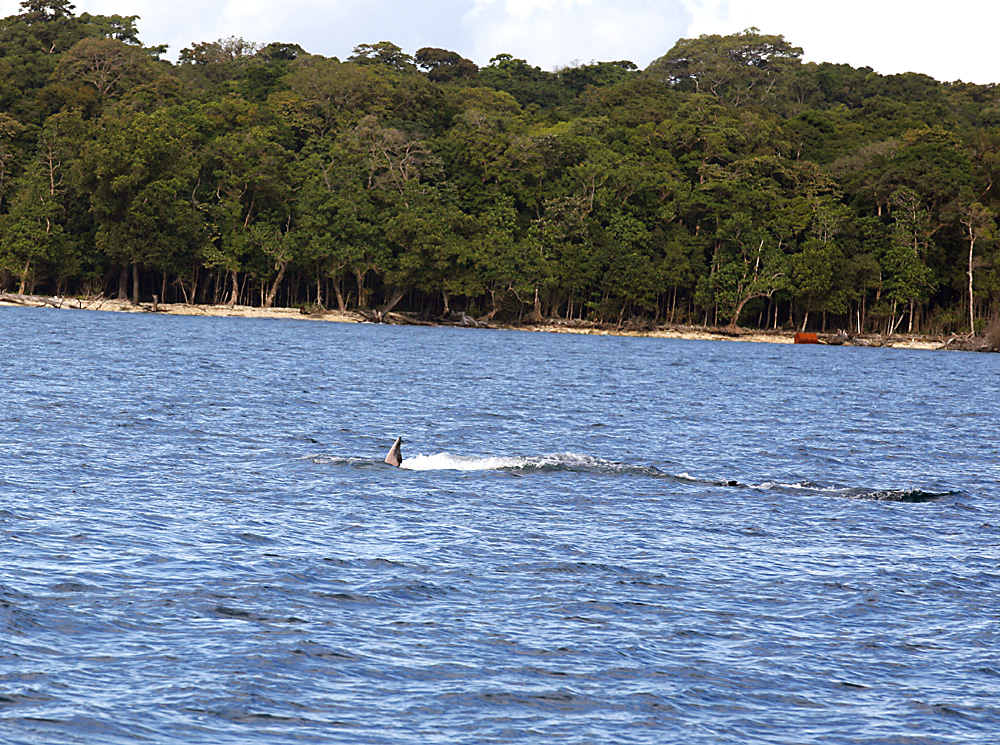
{"x":591,"y":539}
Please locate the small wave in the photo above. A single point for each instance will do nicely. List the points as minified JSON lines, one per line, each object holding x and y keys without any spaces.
{"x":333,"y":460}
{"x":902,"y":495}
{"x":527,"y":464}
{"x":798,"y":487}
{"x":874,"y":495}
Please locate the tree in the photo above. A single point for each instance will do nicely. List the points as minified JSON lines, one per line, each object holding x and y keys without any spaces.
{"x":482,"y":131}
{"x":818,"y":269}
{"x":907,"y":276}
{"x":735,"y":69}
{"x":443,"y":66}
{"x":507,"y":261}
{"x":250,"y":173}
{"x":567,"y":267}
{"x":32,"y":230}
{"x":228,"y":50}
{"x":142,"y":178}
{"x":339,"y":220}
{"x":108,"y":65}
{"x":39,"y":245}
{"x":119,"y":28}
{"x":383,"y":53}
{"x":631,"y":278}
{"x":979,"y":222}
{"x":337,"y":95}
{"x":762,"y":208}
{"x":9,"y":129}
{"x":42,"y":11}
{"x":526,"y":83}
{"x":596,"y":75}
{"x":432,"y":252}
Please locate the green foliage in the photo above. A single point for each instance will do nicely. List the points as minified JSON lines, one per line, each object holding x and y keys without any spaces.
{"x":728,"y":181}
{"x":527,"y":84}
{"x":443,"y":66}
{"x":383,"y":53}
{"x":735,"y":69}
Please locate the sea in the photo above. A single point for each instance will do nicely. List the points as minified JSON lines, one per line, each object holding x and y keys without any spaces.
{"x":591,"y":539}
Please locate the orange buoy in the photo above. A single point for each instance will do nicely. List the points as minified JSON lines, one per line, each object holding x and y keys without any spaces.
{"x":802,"y":337}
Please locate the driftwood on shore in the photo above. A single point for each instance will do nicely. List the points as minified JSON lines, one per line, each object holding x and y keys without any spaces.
{"x":34,"y":300}
{"x":968,"y":343}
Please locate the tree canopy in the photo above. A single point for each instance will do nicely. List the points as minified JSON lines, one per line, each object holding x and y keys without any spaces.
{"x":727,"y":183}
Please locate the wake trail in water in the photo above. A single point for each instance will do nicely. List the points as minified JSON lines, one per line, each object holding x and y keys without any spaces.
{"x":580,"y":463}
{"x":870,"y":494}
{"x":572,"y":462}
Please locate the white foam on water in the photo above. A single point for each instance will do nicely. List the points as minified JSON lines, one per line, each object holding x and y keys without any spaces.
{"x":449,"y":462}
{"x":799,"y":486}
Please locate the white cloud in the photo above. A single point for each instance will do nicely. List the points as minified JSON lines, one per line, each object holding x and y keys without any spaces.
{"x":948,"y":41}
{"x":548,"y":33}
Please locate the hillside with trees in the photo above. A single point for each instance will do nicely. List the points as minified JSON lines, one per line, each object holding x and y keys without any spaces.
{"x":728,"y":183}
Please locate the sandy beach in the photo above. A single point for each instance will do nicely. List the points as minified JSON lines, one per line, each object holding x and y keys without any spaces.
{"x":556,"y":326}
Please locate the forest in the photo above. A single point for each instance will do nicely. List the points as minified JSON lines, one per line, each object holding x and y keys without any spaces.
{"x":728,"y":183}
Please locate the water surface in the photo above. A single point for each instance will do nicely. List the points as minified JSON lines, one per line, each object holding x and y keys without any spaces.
{"x":592,"y":539}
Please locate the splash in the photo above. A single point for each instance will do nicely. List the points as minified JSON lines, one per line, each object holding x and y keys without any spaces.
{"x":449,"y":462}
{"x":574,"y":462}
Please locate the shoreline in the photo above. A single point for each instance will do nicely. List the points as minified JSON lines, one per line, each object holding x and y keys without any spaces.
{"x":556,"y":326}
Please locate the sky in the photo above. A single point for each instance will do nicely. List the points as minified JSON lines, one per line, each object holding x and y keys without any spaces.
{"x":948,"y":41}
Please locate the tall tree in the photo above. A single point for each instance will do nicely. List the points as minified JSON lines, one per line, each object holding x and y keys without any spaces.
{"x":908,"y":278}
{"x":735,"y":69}
{"x":443,"y":66}
{"x":979,"y":222}
{"x":142,"y":178}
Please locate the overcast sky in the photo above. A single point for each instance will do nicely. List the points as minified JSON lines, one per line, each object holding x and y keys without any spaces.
{"x":947,"y":40}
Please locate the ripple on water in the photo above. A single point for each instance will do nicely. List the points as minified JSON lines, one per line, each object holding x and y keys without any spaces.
{"x":595,"y":539}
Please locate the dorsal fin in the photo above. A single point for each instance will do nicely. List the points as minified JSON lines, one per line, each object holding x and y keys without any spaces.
{"x":395,"y":456}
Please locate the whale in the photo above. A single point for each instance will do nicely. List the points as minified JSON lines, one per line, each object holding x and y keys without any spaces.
{"x":395,"y":456}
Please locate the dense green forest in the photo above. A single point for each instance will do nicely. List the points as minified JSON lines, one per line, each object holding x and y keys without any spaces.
{"x":727,"y":183}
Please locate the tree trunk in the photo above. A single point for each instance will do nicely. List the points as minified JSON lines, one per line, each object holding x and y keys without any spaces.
{"x":24,"y":277}
{"x":893,"y":321}
{"x":360,"y":277}
{"x":193,"y":298}
{"x":339,"y":294}
{"x":391,"y":302}
{"x":135,"y":283}
{"x":734,"y":323}
{"x":496,"y":302}
{"x":235,"y":292}
{"x":269,"y":300}
{"x":123,"y":283}
{"x":972,"y":315}
{"x":536,"y":312}
{"x":447,"y":303}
